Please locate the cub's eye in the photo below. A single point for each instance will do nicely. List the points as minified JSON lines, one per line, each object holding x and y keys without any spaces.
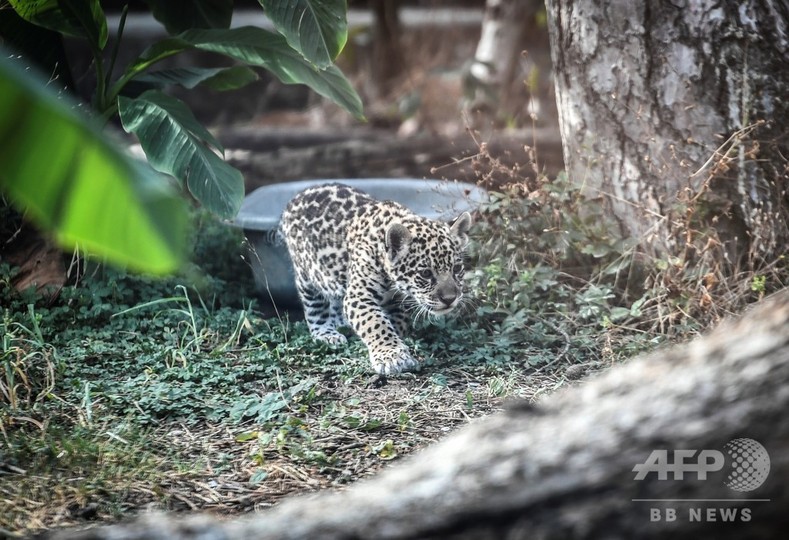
{"x":457,"y":269}
{"x":426,"y":273}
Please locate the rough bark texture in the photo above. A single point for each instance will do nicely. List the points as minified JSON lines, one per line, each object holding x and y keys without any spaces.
{"x":648,"y":91}
{"x":564,"y":469}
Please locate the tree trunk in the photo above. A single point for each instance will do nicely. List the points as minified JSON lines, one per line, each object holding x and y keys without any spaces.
{"x":565,"y":468}
{"x":662,"y":101}
{"x":499,"y":46}
{"x":388,"y":59}
{"x":496,"y":78}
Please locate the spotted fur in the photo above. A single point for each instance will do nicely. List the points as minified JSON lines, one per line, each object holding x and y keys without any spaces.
{"x":363,"y":262}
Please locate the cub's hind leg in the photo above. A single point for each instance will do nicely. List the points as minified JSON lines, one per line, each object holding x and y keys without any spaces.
{"x":336,"y":317}
{"x":320,"y":313}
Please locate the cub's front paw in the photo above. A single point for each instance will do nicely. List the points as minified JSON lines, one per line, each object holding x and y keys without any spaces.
{"x":391,"y":361}
{"x":332,"y":337}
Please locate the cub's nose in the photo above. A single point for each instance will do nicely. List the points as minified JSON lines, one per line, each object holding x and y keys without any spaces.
{"x":447,"y":294}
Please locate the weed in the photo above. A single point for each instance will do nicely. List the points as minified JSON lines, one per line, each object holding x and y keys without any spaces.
{"x":69,"y":467}
{"x":29,"y":364}
{"x":550,"y":268}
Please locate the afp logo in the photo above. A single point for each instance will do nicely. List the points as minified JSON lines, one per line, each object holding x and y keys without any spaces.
{"x":749,"y":464}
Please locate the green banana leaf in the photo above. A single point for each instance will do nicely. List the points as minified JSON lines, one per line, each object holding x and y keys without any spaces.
{"x":177,"y":16}
{"x":177,"y":144}
{"x":315,"y":28}
{"x":220,"y":79}
{"x":257,"y":47}
{"x":71,"y":179}
{"x":80,"y":18}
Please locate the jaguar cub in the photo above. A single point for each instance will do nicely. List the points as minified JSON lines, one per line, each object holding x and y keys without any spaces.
{"x":364,"y":262}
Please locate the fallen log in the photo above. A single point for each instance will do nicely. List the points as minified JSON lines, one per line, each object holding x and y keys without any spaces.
{"x":565,"y":467}
{"x":269,"y":156}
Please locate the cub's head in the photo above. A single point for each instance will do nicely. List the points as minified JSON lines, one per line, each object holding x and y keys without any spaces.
{"x":425,"y":261}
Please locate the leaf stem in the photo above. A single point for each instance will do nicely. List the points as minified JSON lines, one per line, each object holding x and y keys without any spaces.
{"x":101,"y":87}
{"x":116,"y":45}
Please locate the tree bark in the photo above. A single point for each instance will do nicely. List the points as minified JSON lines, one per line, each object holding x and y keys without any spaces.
{"x":661,"y":101}
{"x":565,"y":468}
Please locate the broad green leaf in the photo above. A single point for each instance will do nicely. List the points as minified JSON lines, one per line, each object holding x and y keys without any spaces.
{"x":174,"y":142}
{"x":261,"y":48}
{"x":80,"y":18}
{"x":180,"y":113}
{"x":72,"y":180}
{"x":221,"y":79}
{"x":155,"y":53}
{"x":177,"y":16}
{"x":619,"y":313}
{"x":315,"y":28}
{"x":257,"y":47}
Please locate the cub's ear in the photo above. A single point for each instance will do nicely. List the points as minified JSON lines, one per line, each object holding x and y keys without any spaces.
{"x":460,"y":227}
{"x":398,"y":239}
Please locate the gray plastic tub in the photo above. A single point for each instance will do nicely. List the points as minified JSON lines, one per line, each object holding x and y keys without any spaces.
{"x":261,"y":210}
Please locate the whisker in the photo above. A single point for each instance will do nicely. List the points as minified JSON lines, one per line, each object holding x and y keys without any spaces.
{"x":424,"y":312}
{"x":467,"y":305}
